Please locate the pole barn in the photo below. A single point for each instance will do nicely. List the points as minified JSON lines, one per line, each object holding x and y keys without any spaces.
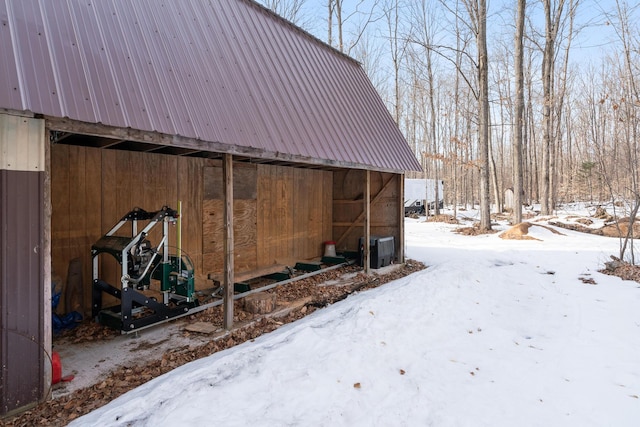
{"x":272,"y":141}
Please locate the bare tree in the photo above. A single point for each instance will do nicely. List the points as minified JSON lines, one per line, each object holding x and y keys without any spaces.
{"x":291,"y":10}
{"x":477,"y":12}
{"x":397,"y":49}
{"x":548,"y":66}
{"x":371,"y":56}
{"x":626,"y":112}
{"x":367,"y":13}
{"x":425,"y":30}
{"x":558,"y":18}
{"x":476,"y":22}
{"x":518,"y":186}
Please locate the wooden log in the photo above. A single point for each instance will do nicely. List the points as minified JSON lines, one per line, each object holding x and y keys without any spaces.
{"x":260,"y":303}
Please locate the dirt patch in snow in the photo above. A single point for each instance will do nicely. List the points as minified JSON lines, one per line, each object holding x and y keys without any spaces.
{"x":518,"y":232}
{"x":521,"y":231}
{"x":449,"y":219}
{"x":295,"y":300}
{"x":621,"y":269}
{"x":474,"y":230}
{"x":617,"y":229}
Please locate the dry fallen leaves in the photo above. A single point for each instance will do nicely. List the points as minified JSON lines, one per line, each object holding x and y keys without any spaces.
{"x":60,"y":411}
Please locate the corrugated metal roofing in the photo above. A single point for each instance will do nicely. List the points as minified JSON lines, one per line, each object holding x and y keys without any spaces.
{"x":224,"y":71}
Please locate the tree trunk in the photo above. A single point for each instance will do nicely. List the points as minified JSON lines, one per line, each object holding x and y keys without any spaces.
{"x":519,"y":114}
{"x":483,"y":122}
{"x":330,"y":22}
{"x":547,"y":73}
{"x":432,"y":128}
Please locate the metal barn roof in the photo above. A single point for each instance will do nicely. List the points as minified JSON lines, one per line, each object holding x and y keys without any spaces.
{"x":227,"y":72}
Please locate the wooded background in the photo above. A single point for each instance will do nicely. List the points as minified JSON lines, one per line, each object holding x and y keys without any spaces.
{"x":580,"y":68}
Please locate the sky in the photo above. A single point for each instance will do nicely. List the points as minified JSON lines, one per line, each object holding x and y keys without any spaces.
{"x":493,"y":333}
{"x":593,"y":37}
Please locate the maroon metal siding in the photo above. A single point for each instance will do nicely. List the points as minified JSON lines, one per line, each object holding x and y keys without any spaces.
{"x":21,"y":289}
{"x":223,"y":71}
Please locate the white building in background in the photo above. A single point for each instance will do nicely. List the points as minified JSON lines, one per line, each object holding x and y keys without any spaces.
{"x":419,"y":192}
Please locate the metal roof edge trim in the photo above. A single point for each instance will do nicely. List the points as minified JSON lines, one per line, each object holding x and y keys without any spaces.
{"x":302,"y":31}
{"x":20,"y":113}
{"x":129,"y":134}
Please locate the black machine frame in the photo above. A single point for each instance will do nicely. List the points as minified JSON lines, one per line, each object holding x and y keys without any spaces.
{"x":140,"y":264}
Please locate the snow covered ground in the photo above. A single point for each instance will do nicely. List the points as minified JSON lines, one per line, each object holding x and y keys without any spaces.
{"x":494,"y":333}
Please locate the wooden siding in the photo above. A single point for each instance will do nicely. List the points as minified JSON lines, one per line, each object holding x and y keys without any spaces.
{"x":348,"y":207}
{"x":92,"y":189}
{"x":281,"y":214}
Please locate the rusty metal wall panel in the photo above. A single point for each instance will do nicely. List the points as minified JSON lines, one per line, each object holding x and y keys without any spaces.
{"x":21,"y":289}
{"x":225,"y":71}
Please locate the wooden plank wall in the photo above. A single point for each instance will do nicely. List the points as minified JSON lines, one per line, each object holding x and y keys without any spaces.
{"x":92,"y":189}
{"x":245,"y":218}
{"x":348,"y":212}
{"x":282,"y":214}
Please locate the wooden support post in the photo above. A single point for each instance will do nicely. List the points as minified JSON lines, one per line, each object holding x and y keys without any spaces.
{"x":227,"y":171}
{"x":401,"y":219}
{"x":367,"y":223}
{"x":48,"y":326}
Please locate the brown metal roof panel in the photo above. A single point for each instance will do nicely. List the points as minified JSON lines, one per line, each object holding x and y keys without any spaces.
{"x":287,"y":122}
{"x":249,"y":98}
{"x":98,"y":65}
{"x":267,"y":82}
{"x":215,"y":88}
{"x":288,"y":119}
{"x":360,"y":132}
{"x":159,"y":36}
{"x":128,"y":93}
{"x":325,"y":100}
{"x":9,"y":98}
{"x":344,"y":115}
{"x":71,"y":81}
{"x":153,"y":106}
{"x":311,"y":94}
{"x":352,"y":114}
{"x":267,"y":79}
{"x":314,"y":93}
{"x":32,"y":56}
{"x":379,"y":128}
{"x":227,"y":72}
{"x":188,"y":98}
{"x":198,"y":54}
{"x":331,"y":118}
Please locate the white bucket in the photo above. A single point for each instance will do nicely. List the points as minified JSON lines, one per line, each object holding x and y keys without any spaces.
{"x":330,"y":249}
